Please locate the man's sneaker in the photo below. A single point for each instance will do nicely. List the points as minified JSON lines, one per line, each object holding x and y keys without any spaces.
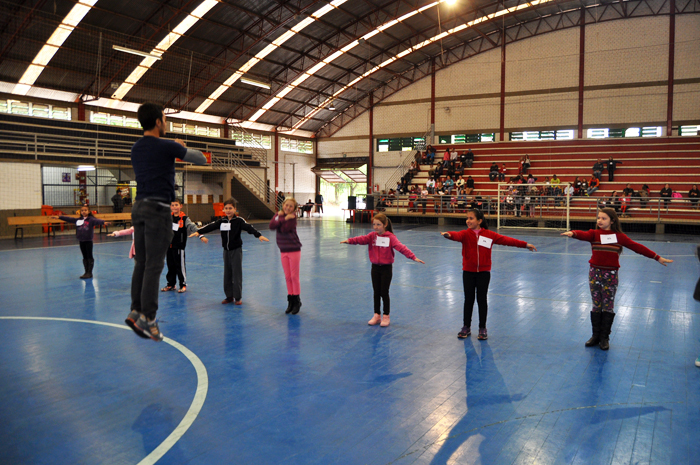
{"x":376,"y":319}
{"x":465,"y":332}
{"x":697,"y":362}
{"x":131,"y":323}
{"x":150,"y":329}
{"x":482,"y":334}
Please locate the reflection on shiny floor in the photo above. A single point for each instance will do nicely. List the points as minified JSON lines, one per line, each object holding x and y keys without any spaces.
{"x":323,"y":387}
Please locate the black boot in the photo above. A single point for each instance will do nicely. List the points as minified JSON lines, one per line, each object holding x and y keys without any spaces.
{"x":87,"y":274}
{"x":90,"y":265}
{"x":296,"y":304}
{"x":289,"y":304}
{"x":605,"y":327}
{"x":595,"y":324}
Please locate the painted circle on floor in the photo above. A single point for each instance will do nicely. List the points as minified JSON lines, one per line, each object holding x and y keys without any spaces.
{"x":199,"y":396}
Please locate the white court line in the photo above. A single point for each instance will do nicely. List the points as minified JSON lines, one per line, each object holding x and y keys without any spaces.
{"x":199,"y":396}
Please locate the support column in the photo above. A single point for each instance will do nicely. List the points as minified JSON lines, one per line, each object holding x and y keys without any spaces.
{"x":81,"y":111}
{"x":581,"y":69}
{"x":503,"y":86}
{"x":432,"y":103}
{"x":277,"y":159}
{"x":370,"y":165}
{"x":671,"y":59}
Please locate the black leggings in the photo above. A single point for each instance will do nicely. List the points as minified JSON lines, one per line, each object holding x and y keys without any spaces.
{"x":86,"y":249}
{"x":381,"y":280}
{"x":476,"y":284}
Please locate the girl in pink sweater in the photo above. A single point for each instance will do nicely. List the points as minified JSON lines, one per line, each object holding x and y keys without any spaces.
{"x":382,"y":243}
{"x":124,"y":232}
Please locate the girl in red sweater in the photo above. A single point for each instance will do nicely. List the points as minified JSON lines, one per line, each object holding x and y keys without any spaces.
{"x":382,"y":243}
{"x":477,"y":241}
{"x":607,"y":242}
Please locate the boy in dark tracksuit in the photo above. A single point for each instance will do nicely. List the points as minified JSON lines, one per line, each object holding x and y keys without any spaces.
{"x":175,"y":258}
{"x":231,"y":227}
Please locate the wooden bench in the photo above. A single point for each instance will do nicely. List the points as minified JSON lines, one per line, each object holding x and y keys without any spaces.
{"x":19,"y":221}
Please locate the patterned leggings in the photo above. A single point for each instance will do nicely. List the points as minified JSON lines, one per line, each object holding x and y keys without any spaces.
{"x":603,"y":284}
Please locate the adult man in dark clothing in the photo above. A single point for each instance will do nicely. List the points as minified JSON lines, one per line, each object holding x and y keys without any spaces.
{"x":597,"y":169}
{"x":118,"y":201}
{"x":153,"y":159}
{"x":319,"y":203}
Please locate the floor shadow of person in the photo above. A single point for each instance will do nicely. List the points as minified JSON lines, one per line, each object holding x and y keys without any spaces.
{"x":487,"y":394}
{"x":154,"y":424}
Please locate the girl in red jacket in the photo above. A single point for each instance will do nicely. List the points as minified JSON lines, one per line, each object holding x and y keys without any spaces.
{"x":607,"y":242}
{"x":382,"y":243}
{"x":476,"y":266}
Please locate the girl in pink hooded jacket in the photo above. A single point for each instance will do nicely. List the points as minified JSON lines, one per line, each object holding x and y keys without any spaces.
{"x":124,"y":232}
{"x":382,"y":243}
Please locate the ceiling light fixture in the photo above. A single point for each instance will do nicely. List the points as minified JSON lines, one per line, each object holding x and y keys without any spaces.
{"x":86,"y":168}
{"x":135,"y":52}
{"x":331,"y":107}
{"x":253,"y":82}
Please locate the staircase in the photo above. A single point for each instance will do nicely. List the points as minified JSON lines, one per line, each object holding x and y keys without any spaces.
{"x":255,"y":197}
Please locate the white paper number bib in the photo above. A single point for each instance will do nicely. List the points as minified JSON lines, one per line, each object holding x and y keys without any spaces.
{"x":485,"y":242}
{"x":80,"y":222}
{"x":382,"y":242}
{"x":608,"y":238}
{"x":225,"y":226}
{"x":176,"y":226}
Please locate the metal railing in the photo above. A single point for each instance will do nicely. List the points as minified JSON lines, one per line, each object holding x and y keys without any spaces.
{"x":231,"y":162}
{"x":544,"y":207}
{"x":402,"y":168}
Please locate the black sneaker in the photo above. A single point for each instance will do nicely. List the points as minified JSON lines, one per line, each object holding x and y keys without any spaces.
{"x":465,"y":332}
{"x":151,"y":330}
{"x":131,"y":320}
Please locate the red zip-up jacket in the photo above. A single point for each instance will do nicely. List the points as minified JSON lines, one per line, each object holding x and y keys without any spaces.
{"x":382,"y":255}
{"x":607,"y":256}
{"x":475,"y":257}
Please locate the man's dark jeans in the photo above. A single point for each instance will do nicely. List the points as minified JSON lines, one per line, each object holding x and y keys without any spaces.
{"x":153,"y":232}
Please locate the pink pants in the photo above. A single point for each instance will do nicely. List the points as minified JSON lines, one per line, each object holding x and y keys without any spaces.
{"x":290,"y":264}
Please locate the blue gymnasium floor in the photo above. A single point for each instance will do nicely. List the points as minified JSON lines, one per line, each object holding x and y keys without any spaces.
{"x":323,"y":387}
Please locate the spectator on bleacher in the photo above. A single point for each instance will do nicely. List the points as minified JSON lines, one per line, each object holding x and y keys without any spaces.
{"x":526,"y":164}
{"x":454,"y":157}
{"x":643,"y":196}
{"x":593,"y":185}
{"x":569,"y":192}
{"x":447,"y":157}
{"x":627,"y":191}
{"x":555,"y":180}
{"x":413,"y":168}
{"x":625,"y":202}
{"x":577,"y":186}
{"x":430,"y":154}
{"x":481,"y":203}
{"x":424,"y":158}
{"x":493,"y":172}
{"x":531,"y":179}
{"x":666,"y":193}
{"x":612,"y":166}
{"x":438,"y":186}
{"x":521,"y":162}
{"x":448,"y":185}
{"x":451,"y":170}
{"x":459,"y":170}
{"x":459,"y":184}
{"x":430,"y":185}
{"x":439,"y":170}
{"x":424,"y":198}
{"x":469,"y":158}
{"x":502,"y":173}
{"x":413,"y":198}
{"x":597,"y":169}
{"x":470,"y":185}
{"x":584,"y":187}
{"x":693,"y":195}
{"x":462,"y":199}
